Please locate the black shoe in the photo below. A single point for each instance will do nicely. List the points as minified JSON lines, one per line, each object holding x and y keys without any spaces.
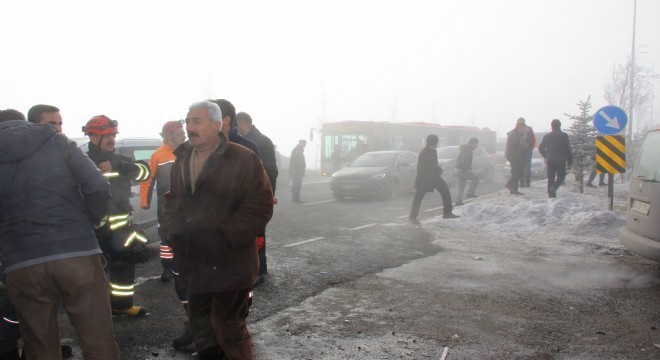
{"x":515,"y":192}
{"x":10,"y":355}
{"x":184,"y":340}
{"x":450,"y":216}
{"x":471,"y":196}
{"x":67,"y":351}
{"x":166,"y":276}
{"x":590,"y":185}
{"x":603,"y":184}
{"x":459,"y":203}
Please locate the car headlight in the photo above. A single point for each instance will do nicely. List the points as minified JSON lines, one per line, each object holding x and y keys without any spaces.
{"x":378,"y":176}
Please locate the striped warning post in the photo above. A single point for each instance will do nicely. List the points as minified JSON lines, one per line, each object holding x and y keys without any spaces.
{"x":610,"y":154}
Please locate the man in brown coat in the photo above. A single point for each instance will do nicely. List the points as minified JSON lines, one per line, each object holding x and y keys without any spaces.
{"x":220,"y":199}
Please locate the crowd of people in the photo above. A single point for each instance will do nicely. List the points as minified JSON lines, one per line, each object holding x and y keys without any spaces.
{"x":67,"y":236}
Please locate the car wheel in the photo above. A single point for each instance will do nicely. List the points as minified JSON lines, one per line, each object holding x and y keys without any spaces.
{"x":391,"y":190}
{"x":338,"y":197}
{"x":489,"y":177}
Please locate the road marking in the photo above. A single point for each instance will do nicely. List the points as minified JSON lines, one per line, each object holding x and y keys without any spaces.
{"x":363,"y":226}
{"x":305,"y":241}
{"x":434,"y":209}
{"x":319,"y":202}
{"x":403,"y":216}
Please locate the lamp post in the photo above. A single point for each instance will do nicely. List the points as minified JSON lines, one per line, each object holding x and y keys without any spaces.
{"x":632,"y":78}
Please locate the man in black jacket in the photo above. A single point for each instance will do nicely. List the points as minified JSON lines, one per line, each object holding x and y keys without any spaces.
{"x":515,"y":154}
{"x":267,"y":150}
{"x":52,"y":198}
{"x":297,"y":167}
{"x":464,"y":171}
{"x":119,"y":240}
{"x":556,"y":149}
{"x":428,"y":179}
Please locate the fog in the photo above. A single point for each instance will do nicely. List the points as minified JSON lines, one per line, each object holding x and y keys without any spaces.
{"x":296,"y":64}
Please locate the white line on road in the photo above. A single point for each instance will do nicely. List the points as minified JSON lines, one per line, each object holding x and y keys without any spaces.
{"x":434,"y":209}
{"x":363,"y":226}
{"x":305,"y":241}
{"x":319,"y":202}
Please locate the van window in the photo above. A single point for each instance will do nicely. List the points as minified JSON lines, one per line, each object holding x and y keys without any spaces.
{"x":648,"y":166}
{"x":143,"y":154}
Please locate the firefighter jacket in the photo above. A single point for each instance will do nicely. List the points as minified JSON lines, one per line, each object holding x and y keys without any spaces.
{"x":124,"y":170}
{"x":51,"y":195}
{"x":213,"y":230}
{"x":160,"y":165}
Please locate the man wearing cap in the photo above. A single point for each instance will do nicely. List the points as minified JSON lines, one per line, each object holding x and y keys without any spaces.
{"x":220,"y":199}
{"x":120,"y":242}
{"x":160,"y":164}
{"x":297,"y":168}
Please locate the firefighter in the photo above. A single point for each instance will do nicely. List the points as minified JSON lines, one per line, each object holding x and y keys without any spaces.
{"x":160,"y":163}
{"x":121,"y":243}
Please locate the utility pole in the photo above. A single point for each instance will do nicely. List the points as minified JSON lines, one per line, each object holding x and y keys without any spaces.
{"x":632,"y":79}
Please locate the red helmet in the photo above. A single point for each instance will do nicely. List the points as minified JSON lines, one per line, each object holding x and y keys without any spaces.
{"x":101,"y":125}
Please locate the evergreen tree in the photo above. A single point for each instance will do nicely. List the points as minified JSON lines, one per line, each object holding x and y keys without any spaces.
{"x":583,"y":142}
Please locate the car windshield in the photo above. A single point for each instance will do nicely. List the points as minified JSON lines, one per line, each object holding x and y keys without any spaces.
{"x":448,"y":152}
{"x":647,"y":166}
{"x":374,"y":160}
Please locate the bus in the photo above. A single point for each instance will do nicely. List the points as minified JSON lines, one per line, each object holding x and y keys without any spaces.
{"x":343,"y":141}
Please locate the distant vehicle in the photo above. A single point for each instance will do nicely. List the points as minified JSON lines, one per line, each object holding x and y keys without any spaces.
{"x":538,"y":166}
{"x":381,"y":174}
{"x":482,"y":164}
{"x":352,"y":138}
{"x":138,"y":149}
{"x":641,"y":234}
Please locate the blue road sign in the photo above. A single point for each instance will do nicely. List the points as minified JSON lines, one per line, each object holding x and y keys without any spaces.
{"x":610,"y":120}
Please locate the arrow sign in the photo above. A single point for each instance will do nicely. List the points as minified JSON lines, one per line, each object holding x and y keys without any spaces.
{"x":610,"y":120}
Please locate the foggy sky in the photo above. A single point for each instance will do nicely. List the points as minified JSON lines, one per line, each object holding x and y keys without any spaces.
{"x":294,"y":64}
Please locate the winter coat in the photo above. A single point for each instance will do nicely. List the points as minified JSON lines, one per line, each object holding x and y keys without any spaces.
{"x":529,"y":139}
{"x":50,"y":195}
{"x":267,"y":150}
{"x":160,"y":165}
{"x":556,"y":148}
{"x":464,"y":159}
{"x":297,"y":163}
{"x":125,"y":170}
{"x":428,"y":170}
{"x":213,"y":230}
{"x":236,"y":138}
{"x":514,"y":148}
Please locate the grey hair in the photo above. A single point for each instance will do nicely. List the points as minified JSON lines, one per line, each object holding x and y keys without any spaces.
{"x":215,"y":114}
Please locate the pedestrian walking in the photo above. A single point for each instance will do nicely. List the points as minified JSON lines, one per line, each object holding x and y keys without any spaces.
{"x":515,"y":154}
{"x":528,"y":143}
{"x":248,"y":130}
{"x":429,"y":179}
{"x":464,"y":171}
{"x":121,"y":243}
{"x":220,"y":200}
{"x":556,"y":149}
{"x":297,"y":168}
{"x":160,"y":164}
{"x":53,"y":197}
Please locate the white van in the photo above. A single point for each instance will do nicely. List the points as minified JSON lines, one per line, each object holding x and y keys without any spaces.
{"x":138,"y":149}
{"x":641,"y":234}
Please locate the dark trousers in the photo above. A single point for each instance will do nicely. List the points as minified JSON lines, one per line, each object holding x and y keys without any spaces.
{"x":121,"y":271}
{"x":296,"y":185}
{"x":527,"y":172}
{"x":80,"y":285}
{"x":556,"y":175}
{"x":443,"y":189}
{"x":517,"y":173}
{"x":9,"y":332}
{"x":166,"y":253}
{"x":263,"y":265}
{"x":218,"y":326}
{"x":592,"y":176}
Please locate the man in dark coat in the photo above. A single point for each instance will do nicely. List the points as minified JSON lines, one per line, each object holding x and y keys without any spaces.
{"x":464,"y":171}
{"x":220,"y":200}
{"x":267,"y":150}
{"x":556,"y":149}
{"x":297,"y":168}
{"x":52,"y":197}
{"x":515,"y":154}
{"x":428,"y":179}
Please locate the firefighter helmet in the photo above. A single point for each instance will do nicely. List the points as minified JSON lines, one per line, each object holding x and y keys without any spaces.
{"x":101,"y":125}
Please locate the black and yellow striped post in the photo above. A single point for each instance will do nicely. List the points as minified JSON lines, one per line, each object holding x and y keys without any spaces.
{"x":610,"y":159}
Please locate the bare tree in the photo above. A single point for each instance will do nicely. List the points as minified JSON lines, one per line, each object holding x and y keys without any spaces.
{"x":617,"y":91}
